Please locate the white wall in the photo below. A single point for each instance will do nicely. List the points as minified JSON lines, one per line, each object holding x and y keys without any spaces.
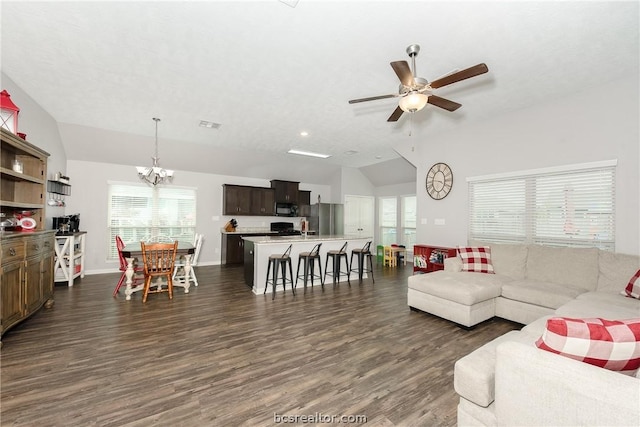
{"x":353,"y":182}
{"x":598,"y":124}
{"x":89,"y":199}
{"x":42,"y":131}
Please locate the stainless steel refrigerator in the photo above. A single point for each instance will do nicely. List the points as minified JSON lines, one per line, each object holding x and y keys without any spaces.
{"x":327,"y":219}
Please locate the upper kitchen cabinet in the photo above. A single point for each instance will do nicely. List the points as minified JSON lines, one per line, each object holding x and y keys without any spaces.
{"x":236,"y":200}
{"x":304,"y":203}
{"x":286,"y":191}
{"x":263,"y":201}
{"x":23,"y":175}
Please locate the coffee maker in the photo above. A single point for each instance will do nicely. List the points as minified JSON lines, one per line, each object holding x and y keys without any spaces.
{"x":67,"y":224}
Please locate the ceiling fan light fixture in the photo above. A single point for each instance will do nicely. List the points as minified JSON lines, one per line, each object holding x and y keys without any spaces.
{"x":413,"y":101}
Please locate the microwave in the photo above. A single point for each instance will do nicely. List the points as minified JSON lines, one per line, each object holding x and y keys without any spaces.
{"x":286,"y":209}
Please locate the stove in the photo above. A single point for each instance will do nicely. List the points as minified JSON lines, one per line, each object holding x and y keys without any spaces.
{"x":284,"y":229}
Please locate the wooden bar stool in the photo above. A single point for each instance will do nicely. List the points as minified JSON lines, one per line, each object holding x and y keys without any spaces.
{"x":280,"y":261}
{"x":363,"y":253}
{"x":309,"y":258}
{"x":336,"y":257}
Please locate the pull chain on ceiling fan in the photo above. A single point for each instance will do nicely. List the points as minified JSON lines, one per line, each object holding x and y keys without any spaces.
{"x":415,"y":92}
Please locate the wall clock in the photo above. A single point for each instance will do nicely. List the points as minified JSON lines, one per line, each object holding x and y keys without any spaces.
{"x":439,"y":181}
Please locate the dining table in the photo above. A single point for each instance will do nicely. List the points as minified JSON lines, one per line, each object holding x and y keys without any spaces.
{"x":133,"y":251}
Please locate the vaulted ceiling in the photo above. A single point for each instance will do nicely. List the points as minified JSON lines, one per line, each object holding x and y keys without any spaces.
{"x":267,"y":70}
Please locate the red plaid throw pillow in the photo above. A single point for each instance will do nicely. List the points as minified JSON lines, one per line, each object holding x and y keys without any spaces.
{"x":633,"y":287}
{"x":609,"y":344}
{"x":476,"y":259}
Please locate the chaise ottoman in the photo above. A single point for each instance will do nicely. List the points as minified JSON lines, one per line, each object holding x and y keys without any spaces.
{"x":452,"y":296}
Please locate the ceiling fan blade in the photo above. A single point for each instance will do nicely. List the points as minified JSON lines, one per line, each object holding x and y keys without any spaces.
{"x":372,"y":98}
{"x":395,"y":115}
{"x":404,"y":73}
{"x":460,"y":75}
{"x":443,"y":103}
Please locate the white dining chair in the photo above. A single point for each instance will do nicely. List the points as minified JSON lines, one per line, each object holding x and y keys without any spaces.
{"x":178,"y":272}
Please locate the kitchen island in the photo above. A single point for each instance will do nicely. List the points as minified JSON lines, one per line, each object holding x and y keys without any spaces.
{"x":257,"y":250}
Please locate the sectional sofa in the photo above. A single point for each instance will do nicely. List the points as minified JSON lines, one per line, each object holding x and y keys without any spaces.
{"x":510,"y":380}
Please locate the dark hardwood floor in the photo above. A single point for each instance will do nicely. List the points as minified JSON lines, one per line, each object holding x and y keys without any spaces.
{"x":222,"y":356}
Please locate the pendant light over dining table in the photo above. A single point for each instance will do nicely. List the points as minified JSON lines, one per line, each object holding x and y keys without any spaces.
{"x":155,"y":175}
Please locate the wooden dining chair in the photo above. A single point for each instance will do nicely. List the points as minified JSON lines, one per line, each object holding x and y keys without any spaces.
{"x":137,"y":278}
{"x":158,"y":260}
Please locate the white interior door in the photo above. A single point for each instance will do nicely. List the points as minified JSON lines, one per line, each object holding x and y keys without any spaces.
{"x":359,"y":215}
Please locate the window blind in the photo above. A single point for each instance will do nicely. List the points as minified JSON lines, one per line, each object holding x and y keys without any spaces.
{"x":137,"y":212}
{"x":567,"y":206}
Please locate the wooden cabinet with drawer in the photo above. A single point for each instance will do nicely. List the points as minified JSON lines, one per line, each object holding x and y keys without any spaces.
{"x":26,"y":275}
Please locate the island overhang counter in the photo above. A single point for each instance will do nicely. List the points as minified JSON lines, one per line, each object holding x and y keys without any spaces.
{"x":257,"y":250}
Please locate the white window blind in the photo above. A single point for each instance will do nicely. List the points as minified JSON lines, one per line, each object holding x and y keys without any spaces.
{"x":138,"y":212}
{"x":567,"y":206}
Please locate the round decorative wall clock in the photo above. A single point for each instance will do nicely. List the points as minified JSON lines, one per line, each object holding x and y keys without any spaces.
{"x":439,"y":181}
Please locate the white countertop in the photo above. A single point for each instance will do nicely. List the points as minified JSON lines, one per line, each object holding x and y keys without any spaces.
{"x":248,"y":231}
{"x":309,"y":238}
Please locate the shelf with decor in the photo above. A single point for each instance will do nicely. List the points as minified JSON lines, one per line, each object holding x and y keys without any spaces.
{"x":23,"y":171}
{"x":428,"y":258}
{"x":58,"y":187}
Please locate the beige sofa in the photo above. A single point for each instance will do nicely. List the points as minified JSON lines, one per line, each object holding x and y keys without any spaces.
{"x":509,"y":381}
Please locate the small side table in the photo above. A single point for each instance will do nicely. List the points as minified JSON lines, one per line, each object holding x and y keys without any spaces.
{"x":70,"y":252}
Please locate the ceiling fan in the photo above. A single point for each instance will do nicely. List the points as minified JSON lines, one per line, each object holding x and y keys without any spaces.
{"x":416,"y":92}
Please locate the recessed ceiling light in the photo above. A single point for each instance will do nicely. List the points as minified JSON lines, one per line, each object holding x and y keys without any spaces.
{"x":304,"y":133}
{"x":209,"y":125}
{"x":378,"y":157}
{"x":350,"y":152}
{"x":309,"y":153}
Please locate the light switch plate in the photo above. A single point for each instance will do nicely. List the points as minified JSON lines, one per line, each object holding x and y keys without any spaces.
{"x":439,"y":221}
{"x":423,"y":221}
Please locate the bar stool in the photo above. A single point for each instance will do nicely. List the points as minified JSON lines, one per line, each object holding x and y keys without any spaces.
{"x":336,"y":256}
{"x":309,"y":258}
{"x":364,"y":252}
{"x":280,"y":261}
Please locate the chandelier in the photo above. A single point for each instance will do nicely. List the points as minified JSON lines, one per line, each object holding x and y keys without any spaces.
{"x":155,"y":175}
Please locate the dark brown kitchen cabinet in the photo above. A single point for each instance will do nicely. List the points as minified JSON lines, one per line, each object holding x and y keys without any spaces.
{"x":304,"y":203}
{"x":232,"y":249}
{"x":263,"y":201}
{"x":286,"y":191}
{"x":236,"y":200}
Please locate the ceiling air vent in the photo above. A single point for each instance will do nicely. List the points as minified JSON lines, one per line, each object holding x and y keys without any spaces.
{"x":209,"y":125}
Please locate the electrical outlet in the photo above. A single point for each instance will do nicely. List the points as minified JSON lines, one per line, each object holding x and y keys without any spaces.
{"x":215,"y":218}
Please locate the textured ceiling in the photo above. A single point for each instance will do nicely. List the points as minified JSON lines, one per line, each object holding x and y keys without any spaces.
{"x":266,"y":71}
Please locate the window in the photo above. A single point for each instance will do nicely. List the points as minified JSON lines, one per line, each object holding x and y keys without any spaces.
{"x":566,"y":206}
{"x":408,"y":221}
{"x":139,"y":211}
{"x":397,"y":220}
{"x":388,"y":220}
